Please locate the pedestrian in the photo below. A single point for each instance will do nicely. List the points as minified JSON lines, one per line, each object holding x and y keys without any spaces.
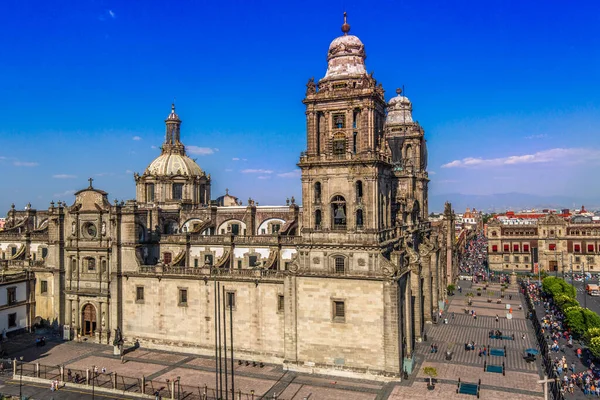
{"x":573,"y":367}
{"x":496,"y":317}
{"x":52,"y":386}
{"x":103,"y":370}
{"x":523,"y":336}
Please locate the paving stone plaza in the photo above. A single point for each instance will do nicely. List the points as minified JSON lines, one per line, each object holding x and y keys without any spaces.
{"x":519,"y":381}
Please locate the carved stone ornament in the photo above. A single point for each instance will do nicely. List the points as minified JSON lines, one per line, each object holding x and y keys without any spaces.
{"x":387,"y":267}
{"x":426,"y":247}
{"x":311,"y":87}
{"x":361,"y":262}
{"x":316,"y":260}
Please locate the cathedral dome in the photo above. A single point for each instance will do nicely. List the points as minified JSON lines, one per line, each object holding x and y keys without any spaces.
{"x":173,"y":164}
{"x":346,"y":55}
{"x":399,"y":109}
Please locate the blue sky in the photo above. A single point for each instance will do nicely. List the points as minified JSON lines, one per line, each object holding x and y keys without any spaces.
{"x":507,"y":91}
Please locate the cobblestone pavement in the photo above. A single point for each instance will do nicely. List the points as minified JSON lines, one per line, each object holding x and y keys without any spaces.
{"x":196,"y":371}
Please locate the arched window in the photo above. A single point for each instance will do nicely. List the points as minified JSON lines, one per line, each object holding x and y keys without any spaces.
{"x":317,"y":192}
{"x":359,"y":218}
{"x":91,"y":263}
{"x":338,"y":212}
{"x":44,"y":252}
{"x":318,"y":219}
{"x":339,"y":144}
{"x":359,"y":191}
{"x":149,"y":192}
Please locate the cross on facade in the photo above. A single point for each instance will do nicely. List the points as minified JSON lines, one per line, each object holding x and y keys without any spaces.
{"x":91,"y":180}
{"x":545,"y":382}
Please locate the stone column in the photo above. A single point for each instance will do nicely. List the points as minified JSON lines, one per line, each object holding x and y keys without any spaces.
{"x":290,"y":344}
{"x":69,"y":317}
{"x":427,"y":307}
{"x":101,"y":319}
{"x":391,"y":326}
{"x":77,"y":326}
{"x":408,"y":318}
{"x":417,"y":293}
{"x":435,"y":294}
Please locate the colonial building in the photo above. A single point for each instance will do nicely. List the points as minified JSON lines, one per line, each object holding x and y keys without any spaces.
{"x":552,"y":243}
{"x":342,"y":285}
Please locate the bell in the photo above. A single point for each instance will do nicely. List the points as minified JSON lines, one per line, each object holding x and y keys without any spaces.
{"x":339,"y":213}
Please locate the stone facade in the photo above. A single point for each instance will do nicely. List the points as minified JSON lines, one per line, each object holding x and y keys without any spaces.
{"x":342,"y":285}
{"x":560,"y":244}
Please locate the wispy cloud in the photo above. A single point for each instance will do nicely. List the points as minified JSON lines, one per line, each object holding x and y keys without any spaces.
{"x":3,"y":158}
{"x":431,"y":172}
{"x":112,"y":14}
{"x":292,"y":174}
{"x":558,"y":155}
{"x":228,"y":170}
{"x":105,"y":174}
{"x":154,"y":147}
{"x":64,"y":176}
{"x":447,"y":181}
{"x":129,"y":171}
{"x":136,"y":138}
{"x":538,"y":136}
{"x":64,"y":194}
{"x":264,"y":177}
{"x":200,"y":151}
{"x":235,"y":159}
{"x":25,"y":164}
{"x":256,"y":171}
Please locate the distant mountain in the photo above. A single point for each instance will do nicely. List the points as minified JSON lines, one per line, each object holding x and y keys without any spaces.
{"x":509,"y":201}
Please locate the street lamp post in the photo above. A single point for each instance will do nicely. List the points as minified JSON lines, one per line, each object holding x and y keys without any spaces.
{"x":93,"y":379}
{"x":571,"y":267}
{"x":584,"y":279}
{"x":21,"y":379}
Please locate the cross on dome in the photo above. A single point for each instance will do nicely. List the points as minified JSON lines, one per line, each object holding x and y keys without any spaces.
{"x":345,"y":26}
{"x":91,"y":180}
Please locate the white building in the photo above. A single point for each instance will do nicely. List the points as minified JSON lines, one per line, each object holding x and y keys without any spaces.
{"x":14,"y":302}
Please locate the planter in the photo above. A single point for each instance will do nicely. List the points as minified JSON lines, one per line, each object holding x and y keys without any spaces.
{"x":478,"y":293}
{"x":489,"y":300}
{"x":430,"y":387}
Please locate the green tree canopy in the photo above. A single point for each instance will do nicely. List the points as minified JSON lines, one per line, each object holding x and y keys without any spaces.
{"x":594,"y":346}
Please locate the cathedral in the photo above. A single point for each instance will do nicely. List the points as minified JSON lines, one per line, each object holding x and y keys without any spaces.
{"x":340,"y":283}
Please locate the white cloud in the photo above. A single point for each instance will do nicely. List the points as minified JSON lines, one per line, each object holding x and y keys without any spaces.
{"x":235,"y":159}
{"x":228,"y":170}
{"x":136,"y":138}
{"x":292,"y":174}
{"x":256,"y":171}
{"x":65,"y":193}
{"x":199,"y":151}
{"x":112,"y":14}
{"x":556,"y":156}
{"x":264,"y":177}
{"x":105,"y":174}
{"x":25,"y":164}
{"x":447,"y":181}
{"x":129,"y":171}
{"x":3,"y":158}
{"x":538,"y":136}
{"x":64,"y":176}
{"x":431,"y":172}
{"x":154,"y":147}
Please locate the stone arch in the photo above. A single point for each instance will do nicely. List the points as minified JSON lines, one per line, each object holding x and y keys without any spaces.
{"x":191,"y":225}
{"x":338,"y":263}
{"x":269,"y":226}
{"x":89,"y":321}
{"x":338,"y":212}
{"x":228,"y":227}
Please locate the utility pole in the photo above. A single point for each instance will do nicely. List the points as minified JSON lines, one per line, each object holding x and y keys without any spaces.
{"x":545,"y":382}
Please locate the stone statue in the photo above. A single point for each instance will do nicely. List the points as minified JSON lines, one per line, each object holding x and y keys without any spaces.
{"x":118,"y":340}
{"x":103,"y":228}
{"x":73,"y":228}
{"x":311,"y":87}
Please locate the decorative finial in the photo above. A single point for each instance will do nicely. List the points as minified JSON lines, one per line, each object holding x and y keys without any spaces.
{"x":91,"y":180}
{"x":346,"y":26}
{"x":226,"y":191}
{"x":173,"y":106}
{"x":398,"y":91}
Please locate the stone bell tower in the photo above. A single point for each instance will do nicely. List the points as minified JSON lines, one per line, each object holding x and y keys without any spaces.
{"x":346,"y":181}
{"x":406,"y":140}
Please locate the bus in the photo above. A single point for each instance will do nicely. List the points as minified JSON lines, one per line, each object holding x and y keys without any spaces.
{"x":592,"y":290}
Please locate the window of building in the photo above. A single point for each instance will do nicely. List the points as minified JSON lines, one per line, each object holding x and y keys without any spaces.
{"x":235,"y":229}
{"x":590,"y":260}
{"x":577,"y":259}
{"x":275,"y":228}
{"x":208,"y":260}
{"x":317,"y":192}
{"x":195,"y":263}
{"x":506,"y":258}
{"x":354,"y":142}
{"x":149,"y":192}
{"x":494,"y":233}
{"x":286,"y":266}
{"x":12,"y":320}
{"x":359,"y":218}
{"x":340,"y":267}
{"x":230,"y":302}
{"x":494,"y":248}
{"x":13,"y":251}
{"x":359,"y":191}
{"x":167,"y":258}
{"x":590,"y":248}
{"x":317,"y":219}
{"x":525,"y":247}
{"x":44,"y":252}
{"x":11,"y":295}
{"x":139,"y":293}
{"x":576,"y":248}
{"x":263,"y":231}
{"x":515,"y":247}
{"x":506,"y":247}
{"x":339,"y":144}
{"x":280,"y":303}
{"x":43,"y":287}
{"x":338,"y":211}
{"x":516,"y":258}
{"x":551,"y":246}
{"x":183,"y":297}
{"x":339,"y":121}
{"x":239,"y":264}
{"x":177,"y":191}
{"x":252,"y":261}
{"x":91,"y":264}
{"x":339,"y":311}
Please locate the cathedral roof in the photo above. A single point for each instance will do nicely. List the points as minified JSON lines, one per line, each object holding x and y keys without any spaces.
{"x":346,"y":56}
{"x":173,"y":164}
{"x":399,"y":109}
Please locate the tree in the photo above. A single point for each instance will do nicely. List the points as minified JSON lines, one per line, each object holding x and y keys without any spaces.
{"x":431,"y":372}
{"x":575,"y":320}
{"x":591,"y":333}
{"x":594,"y":346}
{"x":451,"y":288}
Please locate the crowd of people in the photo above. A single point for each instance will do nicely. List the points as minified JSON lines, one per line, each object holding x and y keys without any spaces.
{"x":582,"y":374}
{"x":473,"y":259}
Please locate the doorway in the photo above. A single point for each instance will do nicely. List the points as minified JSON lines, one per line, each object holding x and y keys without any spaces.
{"x":88,"y":317}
